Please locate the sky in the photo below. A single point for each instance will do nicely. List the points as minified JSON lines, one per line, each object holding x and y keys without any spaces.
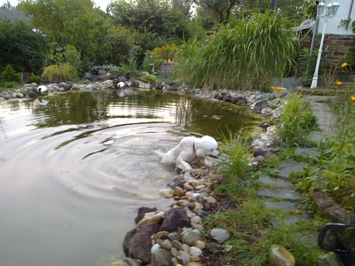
{"x":101,"y":3}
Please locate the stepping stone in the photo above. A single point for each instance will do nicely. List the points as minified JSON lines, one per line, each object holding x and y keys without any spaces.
{"x":282,"y":205}
{"x":291,"y":219}
{"x":280,"y":193}
{"x":277,"y":182}
{"x":310,"y":152}
{"x":289,"y":166}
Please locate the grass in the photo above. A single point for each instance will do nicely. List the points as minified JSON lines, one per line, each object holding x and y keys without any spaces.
{"x":250,"y":222}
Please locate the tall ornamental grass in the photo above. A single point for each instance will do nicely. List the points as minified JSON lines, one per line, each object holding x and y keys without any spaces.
{"x":245,"y":55}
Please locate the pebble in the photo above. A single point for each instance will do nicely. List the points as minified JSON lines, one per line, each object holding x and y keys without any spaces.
{"x":220,"y":235}
{"x":166,"y":193}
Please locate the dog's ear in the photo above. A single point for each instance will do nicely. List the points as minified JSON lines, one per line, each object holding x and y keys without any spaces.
{"x":200,"y":153}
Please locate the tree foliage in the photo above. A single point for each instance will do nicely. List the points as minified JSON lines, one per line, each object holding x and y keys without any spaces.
{"x":21,"y":47}
{"x":74,"y":22}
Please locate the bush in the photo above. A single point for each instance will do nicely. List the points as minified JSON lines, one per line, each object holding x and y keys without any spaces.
{"x":149,"y":79}
{"x":35,"y":79}
{"x":10,"y":75}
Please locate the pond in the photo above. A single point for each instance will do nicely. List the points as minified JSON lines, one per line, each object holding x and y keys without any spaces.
{"x":74,"y":171}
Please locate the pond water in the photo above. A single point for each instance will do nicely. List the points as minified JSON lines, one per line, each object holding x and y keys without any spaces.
{"x":74,"y":172}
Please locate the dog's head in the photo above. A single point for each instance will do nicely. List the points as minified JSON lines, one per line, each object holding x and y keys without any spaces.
{"x":206,"y":146}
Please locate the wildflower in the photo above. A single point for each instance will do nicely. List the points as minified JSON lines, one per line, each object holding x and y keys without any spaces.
{"x":344,"y":64}
{"x":338,"y":82}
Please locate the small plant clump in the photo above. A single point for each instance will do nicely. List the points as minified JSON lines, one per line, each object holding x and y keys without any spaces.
{"x":149,"y":78}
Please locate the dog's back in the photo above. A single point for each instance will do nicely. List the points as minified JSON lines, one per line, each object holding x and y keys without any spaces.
{"x":185,"y":144}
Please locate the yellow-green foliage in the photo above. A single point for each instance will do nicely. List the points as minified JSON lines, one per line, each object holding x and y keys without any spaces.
{"x":63,"y":71}
{"x":166,"y":52}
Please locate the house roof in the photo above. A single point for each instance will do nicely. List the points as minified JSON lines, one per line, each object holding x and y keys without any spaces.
{"x":11,"y":14}
{"x":307,"y":24}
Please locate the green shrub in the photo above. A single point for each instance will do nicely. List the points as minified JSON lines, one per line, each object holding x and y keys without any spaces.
{"x":10,"y":75}
{"x":35,"y":79}
{"x":149,"y":79}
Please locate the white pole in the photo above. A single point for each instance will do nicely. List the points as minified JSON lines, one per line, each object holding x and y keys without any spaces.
{"x":315,"y":76}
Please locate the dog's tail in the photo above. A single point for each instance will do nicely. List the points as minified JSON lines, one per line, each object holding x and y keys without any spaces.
{"x":166,"y":158}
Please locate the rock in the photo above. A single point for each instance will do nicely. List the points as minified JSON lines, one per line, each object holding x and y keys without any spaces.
{"x":131,"y":262}
{"x":176,"y":244}
{"x":155,"y":218}
{"x":154,"y":248}
{"x":194,"y":263}
{"x":166,"y":193}
{"x":200,"y":244}
{"x":190,"y":236}
{"x":161,"y":235}
{"x":259,"y":106}
{"x":142,"y":211}
{"x":220,"y":235}
{"x":174,"y":236}
{"x":178,"y":191}
{"x":137,"y":243}
{"x":174,"y":220}
{"x":196,"y":219}
{"x":183,"y":256}
{"x":161,"y":257}
{"x":329,"y":259}
{"x":279,"y":256}
{"x":195,"y":251}
{"x":213,"y":247}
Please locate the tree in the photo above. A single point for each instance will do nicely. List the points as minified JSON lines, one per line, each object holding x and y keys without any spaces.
{"x":154,"y":16}
{"x":153,"y":23}
{"x":21,"y":47}
{"x":74,"y":22}
{"x":7,"y":5}
{"x":221,"y":8}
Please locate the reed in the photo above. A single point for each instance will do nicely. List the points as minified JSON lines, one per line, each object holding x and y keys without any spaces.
{"x":244,"y":55}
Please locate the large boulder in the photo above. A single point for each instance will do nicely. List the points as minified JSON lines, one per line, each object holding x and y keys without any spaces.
{"x":138,"y":243}
{"x":174,"y":220}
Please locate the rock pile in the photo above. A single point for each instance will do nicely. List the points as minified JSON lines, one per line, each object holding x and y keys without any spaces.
{"x":177,"y":236}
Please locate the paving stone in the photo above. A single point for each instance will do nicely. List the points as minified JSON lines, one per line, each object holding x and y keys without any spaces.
{"x":291,"y":219}
{"x":277,"y":182}
{"x":310,"y":152}
{"x":280,"y":193}
{"x":282,"y":205}
{"x":289,"y":166}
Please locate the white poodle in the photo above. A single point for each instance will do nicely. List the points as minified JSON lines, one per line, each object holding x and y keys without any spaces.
{"x":190,"y":149}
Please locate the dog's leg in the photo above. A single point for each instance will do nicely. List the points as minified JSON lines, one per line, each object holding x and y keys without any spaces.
{"x":181,"y":164}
